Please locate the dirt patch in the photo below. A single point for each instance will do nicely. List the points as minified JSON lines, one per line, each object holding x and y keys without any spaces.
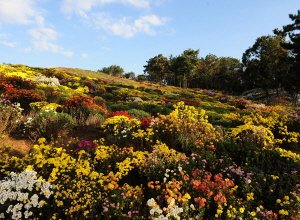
{"x":18,"y":147}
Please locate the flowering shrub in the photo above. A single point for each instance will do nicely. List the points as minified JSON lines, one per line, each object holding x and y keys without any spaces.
{"x":276,"y":121}
{"x":184,"y":127}
{"x":50,"y":81}
{"x":120,"y":128}
{"x":22,"y":96}
{"x":86,"y":145}
{"x":119,"y":113}
{"x":81,"y":107}
{"x":21,"y":195}
{"x":10,"y":116}
{"x":125,"y":93}
{"x":259,"y":135}
{"x":190,"y":102}
{"x":44,"y":106}
{"x":146,"y":122}
{"x":18,"y":82}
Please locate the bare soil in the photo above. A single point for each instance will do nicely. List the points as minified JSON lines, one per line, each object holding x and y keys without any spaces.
{"x":20,"y":146}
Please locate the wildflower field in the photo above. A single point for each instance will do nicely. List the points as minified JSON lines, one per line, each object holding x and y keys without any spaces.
{"x":160,"y":153}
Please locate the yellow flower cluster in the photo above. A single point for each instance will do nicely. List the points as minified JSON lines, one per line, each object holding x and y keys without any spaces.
{"x":120,"y":125}
{"x":44,"y":106}
{"x":285,"y":153}
{"x":274,"y":121}
{"x":259,"y":132}
{"x":142,"y":134}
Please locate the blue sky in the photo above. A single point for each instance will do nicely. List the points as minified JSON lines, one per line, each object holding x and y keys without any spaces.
{"x":91,"y":34}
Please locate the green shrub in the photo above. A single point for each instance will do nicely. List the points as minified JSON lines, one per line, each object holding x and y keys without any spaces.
{"x":106,"y":96}
{"x":139,"y":114}
{"x":118,"y":107}
{"x":47,"y":125}
{"x":10,"y":116}
{"x":99,"y":100}
{"x":110,"y":89}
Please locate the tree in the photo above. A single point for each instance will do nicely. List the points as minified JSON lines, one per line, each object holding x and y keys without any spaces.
{"x":141,"y":78}
{"x":113,"y":70}
{"x":292,"y":82}
{"x":158,"y":68}
{"x":129,"y":75}
{"x":228,"y":74}
{"x":207,"y":67}
{"x":185,"y":65}
{"x":264,"y":62}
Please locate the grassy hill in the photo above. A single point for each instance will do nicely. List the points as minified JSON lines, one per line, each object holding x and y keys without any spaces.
{"x":79,"y":144}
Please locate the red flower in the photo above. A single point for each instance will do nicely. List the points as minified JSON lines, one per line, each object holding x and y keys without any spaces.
{"x":119,"y":113}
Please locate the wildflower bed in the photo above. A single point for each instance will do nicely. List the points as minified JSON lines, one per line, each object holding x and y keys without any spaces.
{"x":179,"y":165}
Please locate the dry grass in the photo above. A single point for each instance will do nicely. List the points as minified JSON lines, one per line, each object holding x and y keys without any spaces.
{"x":105,"y":77}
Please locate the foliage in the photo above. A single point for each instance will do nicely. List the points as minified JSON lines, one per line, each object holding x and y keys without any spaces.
{"x":81,"y":107}
{"x":22,"y":96}
{"x":184,"y":66}
{"x":157,"y":68}
{"x":139,"y":114}
{"x":48,"y":124}
{"x":265,"y":63}
{"x":292,"y":30}
{"x":10,"y":116}
{"x":112,"y":70}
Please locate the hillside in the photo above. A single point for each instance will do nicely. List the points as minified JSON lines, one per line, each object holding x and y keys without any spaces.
{"x":114,"y":148}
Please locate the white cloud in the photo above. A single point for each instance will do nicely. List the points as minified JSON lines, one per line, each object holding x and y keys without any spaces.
{"x":84,"y":55}
{"x":105,"y":48}
{"x":80,"y":7}
{"x":41,"y":40}
{"x":26,"y":50}
{"x":18,"y":11}
{"x":124,"y":28}
{"x":5,"y":36}
{"x":9,"y":44}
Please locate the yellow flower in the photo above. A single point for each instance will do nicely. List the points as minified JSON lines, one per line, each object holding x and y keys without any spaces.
{"x":253,"y":213}
{"x":283,"y":212}
{"x":41,"y":140}
{"x":286,"y":198}
{"x":242,"y":210}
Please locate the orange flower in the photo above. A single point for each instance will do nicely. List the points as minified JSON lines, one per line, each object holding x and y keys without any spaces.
{"x":201,"y":201}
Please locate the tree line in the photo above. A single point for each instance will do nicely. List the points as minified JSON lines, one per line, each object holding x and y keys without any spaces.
{"x":272,"y":62}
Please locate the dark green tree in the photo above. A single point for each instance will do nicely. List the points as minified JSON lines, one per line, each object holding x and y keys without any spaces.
{"x":228,"y":75}
{"x":206,"y":70}
{"x":185,"y":65}
{"x":292,"y":82}
{"x":112,"y":70}
{"x":141,"y":78}
{"x":158,"y":68}
{"x":264,"y":63}
{"x":129,"y":75}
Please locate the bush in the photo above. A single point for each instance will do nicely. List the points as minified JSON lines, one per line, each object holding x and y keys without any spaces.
{"x":119,"y":107}
{"x":20,"y":83}
{"x":48,"y":124}
{"x":99,"y":100}
{"x":19,"y":195}
{"x":81,"y":107}
{"x":139,"y":114}
{"x":10,"y":116}
{"x":22,"y":96}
